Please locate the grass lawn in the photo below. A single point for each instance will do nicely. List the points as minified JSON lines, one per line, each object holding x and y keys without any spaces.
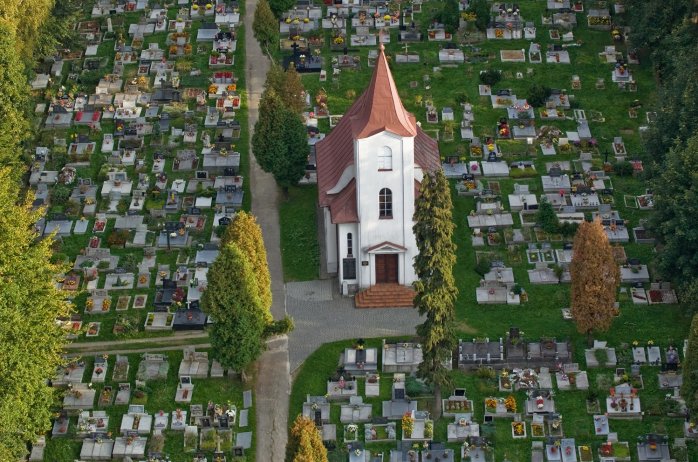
{"x":159,"y":396}
{"x":299,"y":241}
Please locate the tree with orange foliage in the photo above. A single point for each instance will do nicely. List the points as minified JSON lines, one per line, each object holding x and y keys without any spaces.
{"x":595,"y":279}
{"x":306,"y":443}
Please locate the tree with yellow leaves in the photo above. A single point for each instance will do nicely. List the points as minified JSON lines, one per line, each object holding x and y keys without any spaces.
{"x":32,"y":341}
{"x":306,"y":442}
{"x":245,"y":232}
{"x":595,"y":279}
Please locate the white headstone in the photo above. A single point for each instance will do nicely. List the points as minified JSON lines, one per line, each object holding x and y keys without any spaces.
{"x":109,"y":25}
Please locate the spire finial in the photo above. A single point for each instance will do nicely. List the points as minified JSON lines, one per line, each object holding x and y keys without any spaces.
{"x":381,"y":47}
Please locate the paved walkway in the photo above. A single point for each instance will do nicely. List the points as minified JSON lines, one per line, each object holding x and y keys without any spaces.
{"x":321,"y":315}
{"x":273,"y":381}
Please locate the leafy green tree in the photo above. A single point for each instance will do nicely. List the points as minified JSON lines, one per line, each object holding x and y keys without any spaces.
{"x":231,"y":300}
{"x":546,"y":217}
{"x":265,"y":26}
{"x":279,"y":7}
{"x":482,"y":12}
{"x":305,"y":444}
{"x":676,"y":208}
{"x":32,"y":342}
{"x":689,"y":388}
{"x":14,"y":92}
{"x":435,"y":285}
{"x":595,"y":279}
{"x":651,"y":22}
{"x":450,"y":16}
{"x":58,"y":30}
{"x":246,"y":233}
{"x":25,"y":19}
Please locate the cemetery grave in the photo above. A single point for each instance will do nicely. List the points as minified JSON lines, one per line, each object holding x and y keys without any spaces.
{"x":547,"y":414}
{"x":152,"y":421}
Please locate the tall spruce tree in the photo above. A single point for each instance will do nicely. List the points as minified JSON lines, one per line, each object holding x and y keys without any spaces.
{"x":280,"y":142}
{"x":232,"y":301}
{"x":246,"y":233}
{"x":265,"y":26}
{"x":595,"y":279}
{"x":32,"y":342}
{"x":289,"y":164}
{"x":267,"y":139}
{"x":435,"y":286}
{"x":293,"y":92}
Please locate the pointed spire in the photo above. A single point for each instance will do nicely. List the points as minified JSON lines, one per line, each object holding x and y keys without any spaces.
{"x":380,"y":108}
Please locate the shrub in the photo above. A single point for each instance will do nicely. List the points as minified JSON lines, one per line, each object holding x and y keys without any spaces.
{"x":483,"y":266}
{"x":490,"y":77}
{"x":282,"y":326}
{"x":60,"y":194}
{"x":537,"y":95}
{"x":118,"y":237}
{"x":623,"y":168}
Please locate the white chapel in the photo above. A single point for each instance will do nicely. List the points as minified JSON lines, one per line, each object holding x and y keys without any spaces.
{"x":369,"y":170}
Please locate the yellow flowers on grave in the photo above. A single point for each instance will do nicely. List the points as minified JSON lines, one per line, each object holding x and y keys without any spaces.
{"x":213,"y":88}
{"x":635,"y":343}
{"x":386,"y":17}
{"x":306,"y":20}
{"x":288,"y":20}
{"x":468,"y":16}
{"x":338,"y":40}
{"x":195,"y":7}
{"x":209,"y":6}
{"x":510,"y":403}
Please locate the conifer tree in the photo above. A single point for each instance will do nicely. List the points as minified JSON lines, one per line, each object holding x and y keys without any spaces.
{"x":268,"y":130}
{"x":435,"y":285}
{"x":32,"y":342}
{"x":595,"y":279}
{"x":265,"y":26}
{"x":232,"y":301}
{"x":280,"y":141}
{"x":246,"y":233}
{"x":293,"y":92}
{"x":306,"y":442}
{"x":289,"y":164}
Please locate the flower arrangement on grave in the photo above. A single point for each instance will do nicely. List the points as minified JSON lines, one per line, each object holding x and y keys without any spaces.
{"x":407,"y":425}
{"x":106,"y":304}
{"x":195,"y":7}
{"x":490,"y":404}
{"x":518,"y":428}
{"x":428,"y":429}
{"x":510,"y":403}
{"x":650,"y":342}
{"x":209,"y":6}
{"x":499,"y":33}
